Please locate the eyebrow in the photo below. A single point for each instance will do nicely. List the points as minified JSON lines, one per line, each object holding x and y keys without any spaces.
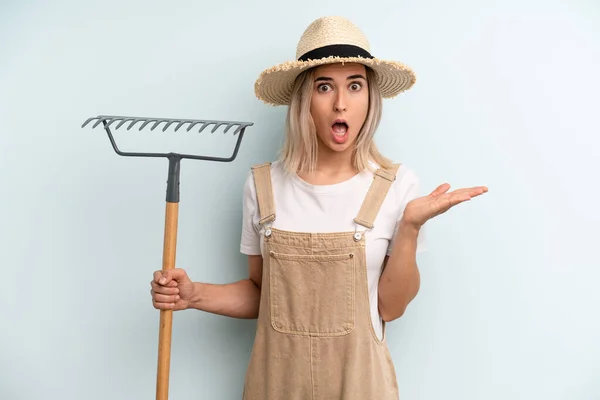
{"x":325,"y":78}
{"x":358,"y":76}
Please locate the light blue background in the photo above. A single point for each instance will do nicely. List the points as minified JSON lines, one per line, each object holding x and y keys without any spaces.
{"x":507,"y":96}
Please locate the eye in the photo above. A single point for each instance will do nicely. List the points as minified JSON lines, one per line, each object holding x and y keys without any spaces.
{"x":323,"y":87}
{"x":355,"y":86}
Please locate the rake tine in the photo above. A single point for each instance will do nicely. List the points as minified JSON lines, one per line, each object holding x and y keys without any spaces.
{"x":122,"y":122}
{"x":135,"y":121}
{"x":169,"y":124}
{"x":229,"y":127}
{"x":217,"y":126}
{"x":180,"y":124}
{"x":146,"y":123}
{"x":100,"y":119}
{"x":114,"y":119}
{"x":192,"y":125}
{"x":158,"y":122}
{"x":87,"y":121}
{"x":239,"y":128}
{"x":207,"y":123}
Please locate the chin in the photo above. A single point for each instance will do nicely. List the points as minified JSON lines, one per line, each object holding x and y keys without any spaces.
{"x":339,"y":147}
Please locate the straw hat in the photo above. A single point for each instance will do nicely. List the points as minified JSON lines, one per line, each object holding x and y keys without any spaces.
{"x":331,"y":40}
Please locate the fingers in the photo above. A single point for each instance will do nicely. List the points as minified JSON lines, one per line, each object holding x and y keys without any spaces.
{"x":476,"y":191}
{"x":443,"y":188}
{"x":440,"y":200}
{"x":457,"y":196}
{"x":169,"y":289}
{"x":469,"y":192}
{"x":163,"y":306}
{"x":165,"y":295}
{"x":461,"y":195}
{"x":163,"y":298}
{"x":164,"y":290}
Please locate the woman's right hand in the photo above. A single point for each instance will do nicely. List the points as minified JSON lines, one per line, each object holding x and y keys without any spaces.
{"x":171,"y":289}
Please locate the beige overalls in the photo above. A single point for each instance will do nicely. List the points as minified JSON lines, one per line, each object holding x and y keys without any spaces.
{"x":315,"y":339}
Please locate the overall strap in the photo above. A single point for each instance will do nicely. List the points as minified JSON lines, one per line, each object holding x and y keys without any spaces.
{"x":379,"y":187}
{"x":264,"y":192}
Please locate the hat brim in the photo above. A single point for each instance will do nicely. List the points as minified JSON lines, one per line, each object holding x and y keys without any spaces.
{"x":274,"y":85}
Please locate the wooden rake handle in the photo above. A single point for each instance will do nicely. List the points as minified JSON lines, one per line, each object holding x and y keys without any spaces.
{"x":169,"y":252}
{"x":166,"y":316}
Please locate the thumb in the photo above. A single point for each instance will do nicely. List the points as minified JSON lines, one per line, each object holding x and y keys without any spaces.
{"x":171,"y":275}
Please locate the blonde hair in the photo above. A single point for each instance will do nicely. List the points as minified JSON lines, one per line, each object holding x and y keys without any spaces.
{"x":299,"y":151}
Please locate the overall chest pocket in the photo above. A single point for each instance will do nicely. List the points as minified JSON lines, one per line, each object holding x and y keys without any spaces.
{"x":312,"y":294}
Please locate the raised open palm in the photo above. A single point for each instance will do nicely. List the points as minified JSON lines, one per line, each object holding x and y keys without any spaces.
{"x":421,"y":209}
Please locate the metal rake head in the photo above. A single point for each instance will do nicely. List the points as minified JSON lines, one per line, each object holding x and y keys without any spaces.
{"x":108,"y":120}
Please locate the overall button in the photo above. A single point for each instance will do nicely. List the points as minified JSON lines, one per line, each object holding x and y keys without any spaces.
{"x":268,"y":233}
{"x":357,"y":236}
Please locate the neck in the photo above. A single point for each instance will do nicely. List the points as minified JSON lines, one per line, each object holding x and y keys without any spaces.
{"x":332,"y":167}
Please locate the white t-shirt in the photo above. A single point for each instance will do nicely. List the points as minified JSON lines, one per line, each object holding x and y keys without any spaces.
{"x":303,"y":207}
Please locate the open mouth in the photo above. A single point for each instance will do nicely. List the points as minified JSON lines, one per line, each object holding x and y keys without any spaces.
{"x":339,"y":127}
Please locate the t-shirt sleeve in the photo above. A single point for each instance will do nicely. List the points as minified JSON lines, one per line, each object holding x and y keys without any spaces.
{"x":407,"y":188}
{"x":250,"y":240}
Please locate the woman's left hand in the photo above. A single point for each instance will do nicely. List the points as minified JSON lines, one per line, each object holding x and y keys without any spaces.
{"x":420,"y":210}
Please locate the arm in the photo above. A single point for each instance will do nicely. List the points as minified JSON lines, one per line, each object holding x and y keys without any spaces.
{"x":400,"y":281}
{"x":239,"y":299}
{"x":174,"y":290}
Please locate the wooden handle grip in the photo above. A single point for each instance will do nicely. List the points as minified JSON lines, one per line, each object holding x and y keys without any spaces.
{"x":166,"y":316}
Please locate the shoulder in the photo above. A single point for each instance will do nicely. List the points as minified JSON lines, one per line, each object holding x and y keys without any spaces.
{"x":272,"y":169}
{"x":405,"y":188}
{"x":406,"y":176}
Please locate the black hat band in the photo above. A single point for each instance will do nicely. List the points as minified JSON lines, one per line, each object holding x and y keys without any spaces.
{"x":335,"y":50}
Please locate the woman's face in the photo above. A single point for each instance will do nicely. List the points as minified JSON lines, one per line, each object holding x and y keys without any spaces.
{"x":339,"y":104}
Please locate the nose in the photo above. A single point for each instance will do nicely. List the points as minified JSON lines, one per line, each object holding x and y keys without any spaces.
{"x":340,"y":102}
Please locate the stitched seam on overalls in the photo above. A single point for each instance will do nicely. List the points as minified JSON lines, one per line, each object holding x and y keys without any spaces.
{"x":312,"y":371}
{"x":346,"y":325}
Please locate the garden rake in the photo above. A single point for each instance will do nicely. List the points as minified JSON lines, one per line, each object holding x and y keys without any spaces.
{"x":172,"y":210}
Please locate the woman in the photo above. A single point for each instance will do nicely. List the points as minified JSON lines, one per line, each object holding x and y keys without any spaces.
{"x":331,"y":230}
